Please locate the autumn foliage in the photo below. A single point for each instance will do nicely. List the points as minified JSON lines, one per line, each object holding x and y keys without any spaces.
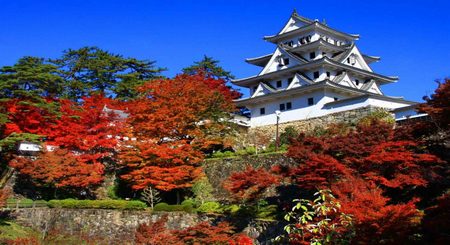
{"x":174,"y":120}
{"x":78,"y":141}
{"x":156,"y":233}
{"x":250,"y":184}
{"x":376,"y":177}
{"x":438,"y":104}
{"x":61,"y":169}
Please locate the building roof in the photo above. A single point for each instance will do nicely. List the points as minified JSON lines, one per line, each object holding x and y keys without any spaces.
{"x":297,"y":90}
{"x":259,"y":61}
{"x":316,"y":44}
{"x":339,"y":57}
{"x":314,"y":25}
{"x":358,"y":94}
{"x":315,"y":63}
{"x":371,"y":95}
{"x":120,"y":114}
{"x":370,"y":59}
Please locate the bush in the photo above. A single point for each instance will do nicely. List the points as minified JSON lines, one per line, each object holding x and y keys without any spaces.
{"x":210,"y":207}
{"x":251,"y":150}
{"x":217,"y":154}
{"x":228,"y":154}
{"x":104,"y":204}
{"x":112,"y":192}
{"x":241,"y":152}
{"x":164,"y":207}
{"x":231,"y":209}
{"x":247,"y":151}
{"x":188,"y":202}
{"x":203,"y":191}
{"x":224,"y":154}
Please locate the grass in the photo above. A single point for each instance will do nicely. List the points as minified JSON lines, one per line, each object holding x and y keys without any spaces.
{"x":253,"y":155}
{"x":10,"y":230}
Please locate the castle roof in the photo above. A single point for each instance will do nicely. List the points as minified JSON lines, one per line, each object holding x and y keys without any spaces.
{"x":314,"y":26}
{"x":325,"y":61}
{"x":325,"y":84}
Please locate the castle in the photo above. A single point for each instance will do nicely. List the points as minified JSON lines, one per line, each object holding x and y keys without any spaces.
{"x":315,"y":71}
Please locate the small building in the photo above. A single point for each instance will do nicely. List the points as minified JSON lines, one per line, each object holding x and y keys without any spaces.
{"x":315,"y":70}
{"x":29,"y":148}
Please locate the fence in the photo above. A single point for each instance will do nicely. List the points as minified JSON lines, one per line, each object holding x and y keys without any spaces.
{"x":24,"y":203}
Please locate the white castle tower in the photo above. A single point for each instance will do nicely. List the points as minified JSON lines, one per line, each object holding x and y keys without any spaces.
{"x":315,"y":70}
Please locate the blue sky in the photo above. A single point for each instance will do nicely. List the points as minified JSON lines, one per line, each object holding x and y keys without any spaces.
{"x":412,"y":37}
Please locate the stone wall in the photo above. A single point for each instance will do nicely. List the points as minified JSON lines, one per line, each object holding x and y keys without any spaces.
{"x":311,"y":124}
{"x":118,"y":227}
{"x":114,"y":225}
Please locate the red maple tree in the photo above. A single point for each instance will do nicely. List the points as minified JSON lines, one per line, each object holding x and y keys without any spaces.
{"x":61,"y":169}
{"x":156,"y":233}
{"x":250,"y":184}
{"x":84,"y":135}
{"x":376,"y":218}
{"x":173,"y":120}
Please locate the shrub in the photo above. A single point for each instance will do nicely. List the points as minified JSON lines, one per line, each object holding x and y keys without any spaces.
{"x":228,"y":154}
{"x":241,"y":152}
{"x":104,"y":204}
{"x":164,"y":207}
{"x":231,"y":209}
{"x":217,"y":154}
{"x":287,"y":135}
{"x":188,"y":202}
{"x":112,"y":192}
{"x":210,"y":207}
{"x":203,"y":191}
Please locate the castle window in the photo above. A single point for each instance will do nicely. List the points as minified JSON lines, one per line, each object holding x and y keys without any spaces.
{"x":285,"y":61}
{"x":328,"y":74}
{"x":324,"y":54}
{"x":288,"y":105}
{"x":302,"y":40}
{"x":312,"y":55}
{"x":282,"y":107}
{"x":279,"y":84}
{"x":352,"y":59}
{"x":310,"y":101}
{"x":262,"y":111}
{"x":316,"y":74}
{"x":357,"y":82}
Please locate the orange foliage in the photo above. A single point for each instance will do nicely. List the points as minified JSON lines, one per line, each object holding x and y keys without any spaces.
{"x":26,"y":117}
{"x":250,"y":184}
{"x":375,"y":218}
{"x":203,"y":233}
{"x":173,"y":120}
{"x":60,"y":168}
{"x":83,"y":136}
{"x":438,"y":105}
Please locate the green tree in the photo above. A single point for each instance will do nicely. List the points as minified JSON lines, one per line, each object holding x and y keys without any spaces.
{"x":92,"y":69}
{"x":27,"y":90}
{"x":210,"y":67}
{"x":31,"y":78}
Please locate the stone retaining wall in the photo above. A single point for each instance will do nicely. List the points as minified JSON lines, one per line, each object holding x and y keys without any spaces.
{"x":118,"y":226}
{"x":114,"y":225}
{"x":311,"y":124}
